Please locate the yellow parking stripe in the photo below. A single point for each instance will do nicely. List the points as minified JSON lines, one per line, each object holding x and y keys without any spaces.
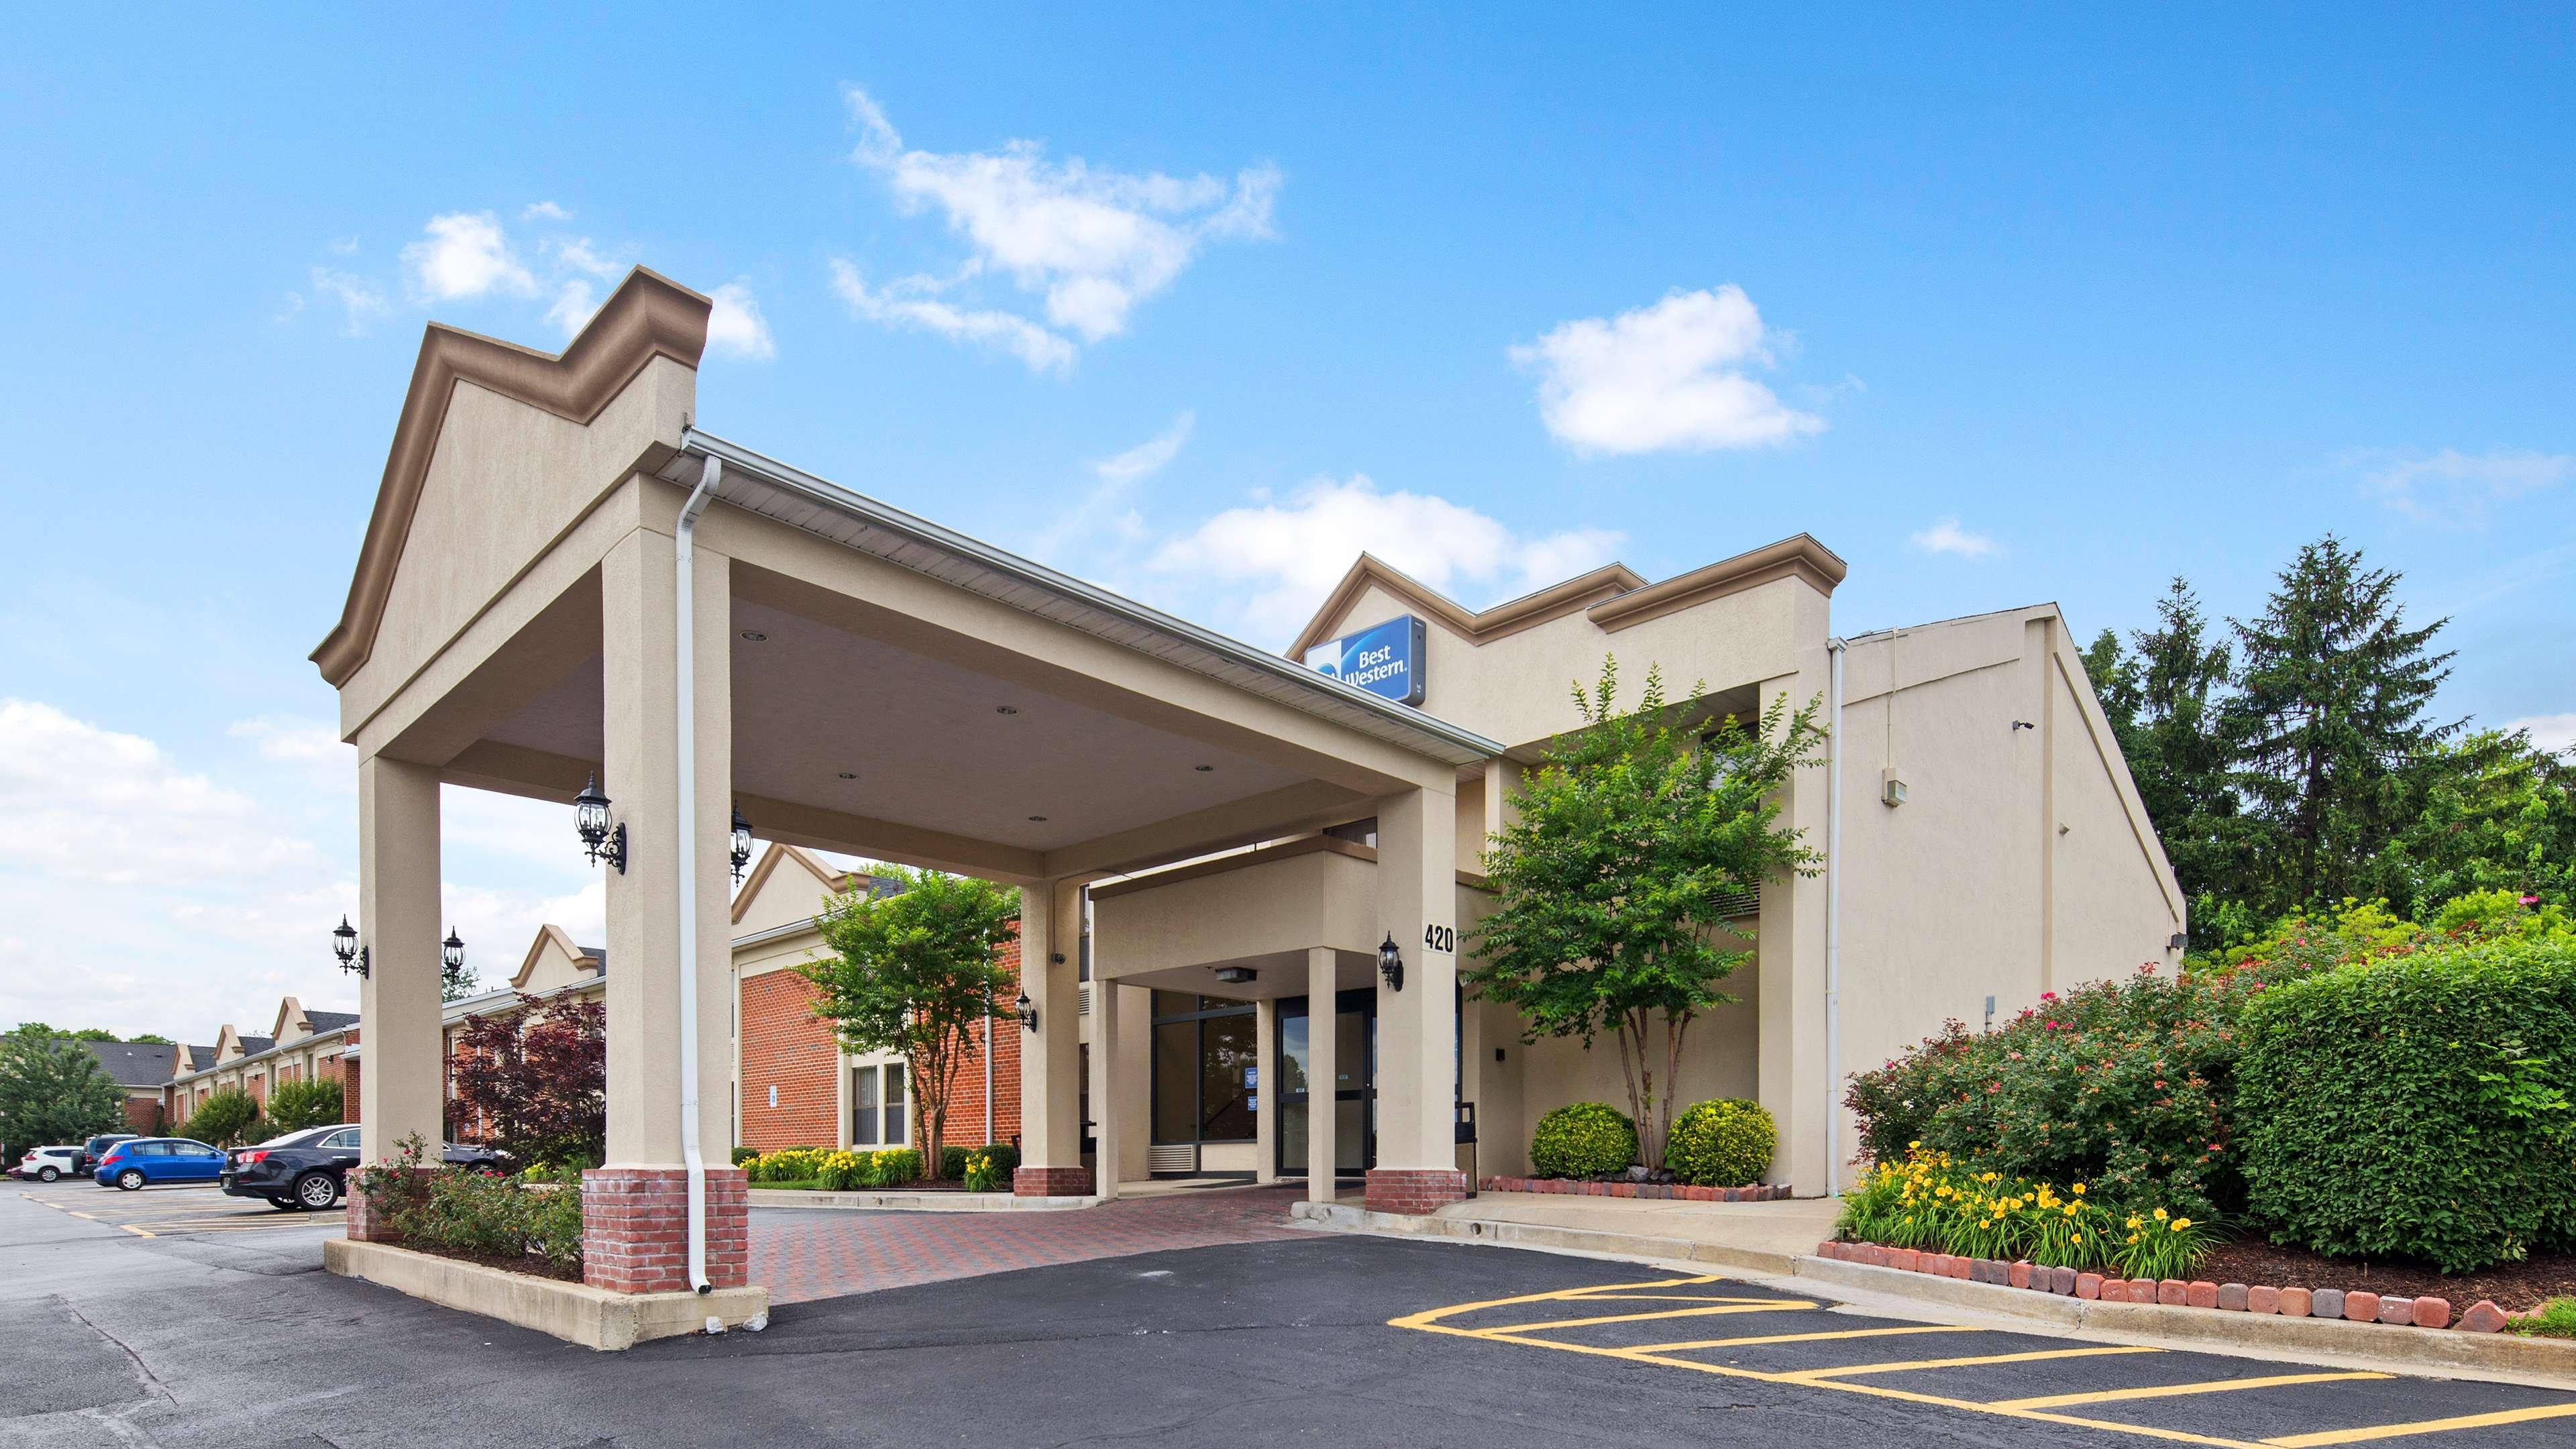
{"x":1806,"y":1337}
{"x":2169,"y":1391}
{"x":1428,"y":1319}
{"x":1765,"y":1305}
{"x":1846,"y":1370}
{"x":2423,"y":1426}
{"x":138,"y":1232}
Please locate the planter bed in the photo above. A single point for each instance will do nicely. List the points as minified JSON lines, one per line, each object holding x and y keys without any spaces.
{"x":2512,"y":1286}
{"x":1674,"y":1191}
{"x":529,"y":1264}
{"x":815,"y":1184}
{"x":2354,"y":1304}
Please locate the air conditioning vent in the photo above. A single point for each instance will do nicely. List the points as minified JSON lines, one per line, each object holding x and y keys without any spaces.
{"x":1082,"y":1001}
{"x":1172,"y":1157}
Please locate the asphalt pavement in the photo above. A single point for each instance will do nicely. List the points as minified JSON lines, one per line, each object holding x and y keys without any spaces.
{"x":205,"y":1336}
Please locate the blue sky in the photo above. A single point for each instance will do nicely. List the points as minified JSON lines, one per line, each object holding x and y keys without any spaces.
{"x":2002,"y":310}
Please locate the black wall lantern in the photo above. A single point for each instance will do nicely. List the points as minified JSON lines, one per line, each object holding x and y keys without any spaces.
{"x":741,"y":844}
{"x":1028,"y":1012}
{"x":590,"y":817}
{"x":452,"y":951}
{"x":1390,"y":963}
{"x":344,"y":944}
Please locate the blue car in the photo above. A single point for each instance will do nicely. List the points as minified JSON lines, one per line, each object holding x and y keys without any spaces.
{"x":151,"y":1160}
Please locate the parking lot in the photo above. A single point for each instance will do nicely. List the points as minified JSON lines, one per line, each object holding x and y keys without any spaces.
{"x":176,"y":1210}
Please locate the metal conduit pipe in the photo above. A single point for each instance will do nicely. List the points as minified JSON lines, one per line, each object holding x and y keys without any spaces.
{"x":684,"y":539}
{"x":1833,"y":922}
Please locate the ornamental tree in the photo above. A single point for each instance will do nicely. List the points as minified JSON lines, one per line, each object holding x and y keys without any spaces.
{"x":296,"y":1106}
{"x":914,"y":972}
{"x":1612,"y":886}
{"x":534,"y":1082}
{"x":53,"y":1090}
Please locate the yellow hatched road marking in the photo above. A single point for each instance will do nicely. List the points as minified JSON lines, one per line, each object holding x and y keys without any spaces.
{"x":138,"y":1232}
{"x":2170,"y":1391}
{"x":2423,"y":1426}
{"x":1809,"y":1375}
{"x":1806,"y":1337}
{"x":1767,"y":1305}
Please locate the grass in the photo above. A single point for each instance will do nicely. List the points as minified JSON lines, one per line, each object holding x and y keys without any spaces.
{"x":801,"y":1184}
{"x":2556,"y":1319}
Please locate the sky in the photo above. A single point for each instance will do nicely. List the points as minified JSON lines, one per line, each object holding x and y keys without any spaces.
{"x":2002,"y":308}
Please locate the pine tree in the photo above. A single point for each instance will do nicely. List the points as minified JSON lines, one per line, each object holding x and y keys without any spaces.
{"x":2328,"y":730}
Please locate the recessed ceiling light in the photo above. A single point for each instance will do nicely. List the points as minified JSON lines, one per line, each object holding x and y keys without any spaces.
{"x":849,"y":774}
{"x":1037,"y":817}
{"x":1204,"y":769}
{"x":1006,"y":709}
{"x":755,"y":636}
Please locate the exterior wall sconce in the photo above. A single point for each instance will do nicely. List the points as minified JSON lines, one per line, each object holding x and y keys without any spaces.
{"x":1390,"y":963}
{"x":2023,"y":724}
{"x":344,"y":944}
{"x":741,"y":844}
{"x":452,"y":951}
{"x":590,"y":817}
{"x":1027,"y":1011}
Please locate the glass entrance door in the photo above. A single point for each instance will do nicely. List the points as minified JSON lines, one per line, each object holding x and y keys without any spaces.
{"x":1354,"y":1090}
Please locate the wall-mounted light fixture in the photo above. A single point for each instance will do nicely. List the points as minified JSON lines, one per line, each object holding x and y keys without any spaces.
{"x":1027,"y":1011}
{"x":1390,"y":963}
{"x":2023,"y":724}
{"x":741,"y":844}
{"x":590,"y":817}
{"x":344,"y":944}
{"x":1237,"y":975}
{"x":452,"y":951}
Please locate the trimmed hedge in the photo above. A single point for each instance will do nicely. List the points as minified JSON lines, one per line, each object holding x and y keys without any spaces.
{"x":2417,"y":1106}
{"x":1725,"y":1143}
{"x":952,"y":1160}
{"x":1583,"y":1139}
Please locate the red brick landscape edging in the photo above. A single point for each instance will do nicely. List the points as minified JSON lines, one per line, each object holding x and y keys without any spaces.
{"x":1759,"y":1193}
{"x":2358,"y":1307}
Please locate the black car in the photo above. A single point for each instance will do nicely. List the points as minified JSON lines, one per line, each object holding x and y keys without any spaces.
{"x":310,"y":1169}
{"x":86,"y":1161}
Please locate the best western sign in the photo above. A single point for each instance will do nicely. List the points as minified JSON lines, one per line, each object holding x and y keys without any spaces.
{"x":1384,"y":659}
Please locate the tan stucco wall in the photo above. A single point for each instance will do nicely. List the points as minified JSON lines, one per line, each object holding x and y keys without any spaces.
{"x":791,"y":892}
{"x":1269,"y":908}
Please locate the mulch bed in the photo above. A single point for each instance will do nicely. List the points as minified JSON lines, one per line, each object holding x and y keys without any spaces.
{"x":534,"y":1267}
{"x":2513,"y":1286}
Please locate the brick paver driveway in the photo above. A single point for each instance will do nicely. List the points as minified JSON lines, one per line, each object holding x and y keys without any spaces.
{"x":808,"y":1253}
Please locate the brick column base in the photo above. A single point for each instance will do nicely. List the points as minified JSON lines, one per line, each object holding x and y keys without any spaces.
{"x":1414,"y":1189}
{"x":1051,"y":1182}
{"x":635,"y":1228}
{"x":366,"y":1222}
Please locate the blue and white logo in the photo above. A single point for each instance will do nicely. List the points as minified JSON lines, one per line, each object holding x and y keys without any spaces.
{"x":1384,"y":659}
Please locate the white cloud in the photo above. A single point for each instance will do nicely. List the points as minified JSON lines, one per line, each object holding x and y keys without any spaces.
{"x":574,"y":305}
{"x":1092,"y":243}
{"x":2460,"y":489}
{"x":913,"y":302}
{"x":1669,"y":376}
{"x":359,"y":300}
{"x":2555,"y":733}
{"x":544,"y":211}
{"x":1946,"y":536}
{"x":736,"y":325}
{"x":582,"y":255}
{"x":1274,"y":563}
{"x":1149,"y":457}
{"x":88,"y":804}
{"x":466,"y":254}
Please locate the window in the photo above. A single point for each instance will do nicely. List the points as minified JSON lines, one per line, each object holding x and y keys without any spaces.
{"x":878,"y":1106}
{"x":344,"y":1140}
{"x":1204,"y":1055}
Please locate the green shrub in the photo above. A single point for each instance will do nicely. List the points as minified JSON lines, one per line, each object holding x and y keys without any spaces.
{"x":788,"y":1164}
{"x":1725,"y":1143}
{"x":742,"y":1156}
{"x":466,"y":1213}
{"x":229,"y":1118}
{"x":897,"y":1166}
{"x":1583,"y":1139}
{"x":1927,"y":1201}
{"x":952,"y":1160}
{"x":983,"y":1171}
{"x":295,"y":1106}
{"x":2417,"y":1106}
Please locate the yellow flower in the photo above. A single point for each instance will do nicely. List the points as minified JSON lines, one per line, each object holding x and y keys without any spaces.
{"x":2160,"y":1215}
{"x":2079,"y":1189}
{"x":2181,"y":1223}
{"x":2136,"y":1221}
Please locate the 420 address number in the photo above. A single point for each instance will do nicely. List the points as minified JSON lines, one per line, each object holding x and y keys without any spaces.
{"x":1440,"y":938}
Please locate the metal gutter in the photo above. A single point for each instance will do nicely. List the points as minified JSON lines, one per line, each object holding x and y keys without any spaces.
{"x":1294,"y":683}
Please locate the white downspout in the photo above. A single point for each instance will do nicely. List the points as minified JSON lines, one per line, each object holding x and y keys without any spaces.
{"x":988,"y":1078}
{"x":1833,"y":924}
{"x":683,"y":541}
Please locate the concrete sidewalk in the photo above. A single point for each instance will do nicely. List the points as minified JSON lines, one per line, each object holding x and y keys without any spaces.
{"x":1760,"y":1237}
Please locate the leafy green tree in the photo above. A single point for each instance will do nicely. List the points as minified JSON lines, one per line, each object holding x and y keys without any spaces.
{"x":296,"y":1106}
{"x":53,"y":1090}
{"x":151,"y":1039}
{"x":1611,"y":888}
{"x":226,"y":1119}
{"x":457,"y":982}
{"x":2488,"y":813}
{"x":2329,"y":728}
{"x":915,"y":972}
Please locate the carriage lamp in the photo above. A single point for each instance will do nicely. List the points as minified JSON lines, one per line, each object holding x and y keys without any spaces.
{"x":1027,"y":1011}
{"x":598,"y":839}
{"x":741,"y":844}
{"x":344,"y":944}
{"x":1390,"y":963}
{"x":452,"y":951}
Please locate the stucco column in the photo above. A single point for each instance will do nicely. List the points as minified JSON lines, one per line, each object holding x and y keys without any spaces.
{"x":1111,"y":1122}
{"x":402,"y":1088}
{"x":1417,"y":1063}
{"x":1265,"y":1088}
{"x":1789,"y":967}
{"x":640,"y":1193}
{"x":1322,"y":1073}
{"x":1051,"y":1056}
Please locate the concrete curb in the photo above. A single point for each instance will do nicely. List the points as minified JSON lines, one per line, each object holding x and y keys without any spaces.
{"x":1341,"y":1218}
{"x":574,"y":1312}
{"x":915,"y":1202}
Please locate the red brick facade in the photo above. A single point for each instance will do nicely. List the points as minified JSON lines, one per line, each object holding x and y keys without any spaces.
{"x":635,"y":1228}
{"x":1414,"y":1190}
{"x":1051,"y":1182}
{"x":143,"y":1114}
{"x":784,"y":1046}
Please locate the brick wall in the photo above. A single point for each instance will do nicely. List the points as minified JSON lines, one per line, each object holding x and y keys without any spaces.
{"x":143,"y":1114}
{"x":635,"y":1229}
{"x":966,"y":1095}
{"x":350,"y":1068}
{"x":785,"y":1046}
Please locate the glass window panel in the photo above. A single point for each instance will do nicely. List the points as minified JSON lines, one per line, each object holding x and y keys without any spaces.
{"x":1176,"y":1081}
{"x":1292,"y":1137}
{"x":1293,"y":1054}
{"x":1347,"y":1143}
{"x":1351,"y":1040}
{"x":1226,"y":1058}
{"x":863,"y":1117}
{"x":897,"y":1104}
